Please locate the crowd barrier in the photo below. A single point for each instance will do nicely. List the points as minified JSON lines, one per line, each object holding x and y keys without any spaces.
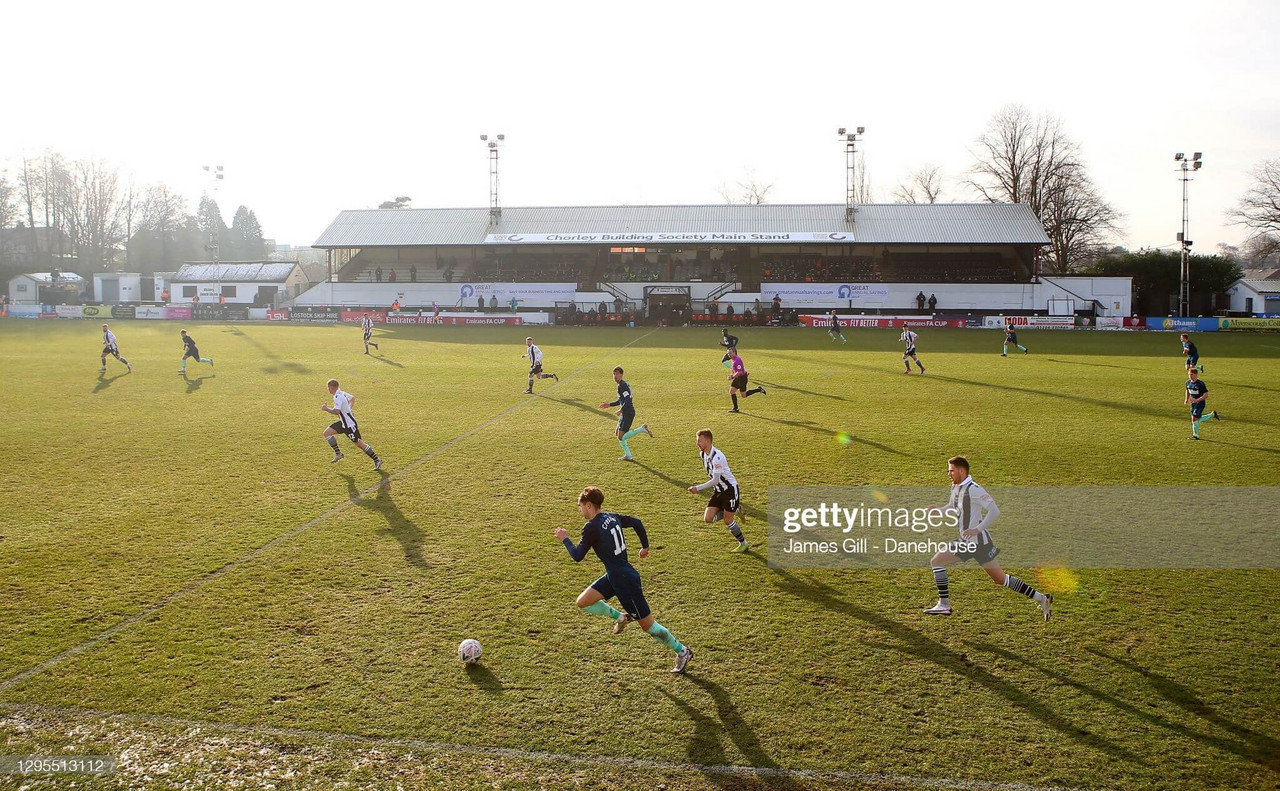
{"x":334,"y":315}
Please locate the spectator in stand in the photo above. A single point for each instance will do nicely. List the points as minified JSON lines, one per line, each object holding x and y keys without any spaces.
{"x":592,"y":316}
{"x":756,"y":309}
{"x":413,"y":273}
{"x":195,"y":302}
{"x":377,"y":273}
{"x":515,"y":304}
{"x":435,"y":310}
{"x":728,"y":313}
{"x":920,"y":300}
{"x":164,"y":295}
{"x":448,"y":275}
{"x":617,"y":306}
{"x":395,"y":305}
{"x":392,"y":277}
{"x":480,"y":303}
{"x":777,"y":308}
{"x":493,"y":301}
{"x":604,"y":307}
{"x":222,"y":301}
{"x":933,"y":301}
{"x":713,"y":308}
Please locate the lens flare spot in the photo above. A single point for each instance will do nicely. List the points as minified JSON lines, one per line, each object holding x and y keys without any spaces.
{"x":1057,"y":580}
{"x":843,"y":438}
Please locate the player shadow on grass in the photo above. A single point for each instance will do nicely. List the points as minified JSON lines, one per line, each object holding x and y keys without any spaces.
{"x":809,"y":425}
{"x":579,"y":404}
{"x":383,"y":359}
{"x":908,"y":641}
{"x":1220,"y":383}
{"x":1141,"y":409}
{"x":278,"y":363}
{"x":105,"y":381}
{"x":1254,"y":746}
{"x":194,"y":384}
{"x":399,"y":526}
{"x":1092,"y":365}
{"x":484,"y":679}
{"x":706,"y":747}
{"x":776,"y":386}
{"x":1238,"y":445}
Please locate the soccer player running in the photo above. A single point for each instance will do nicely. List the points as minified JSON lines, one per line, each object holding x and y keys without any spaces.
{"x":909,"y":338}
{"x":728,"y":342}
{"x":738,"y":379}
{"x":189,"y":350}
{"x":977,"y":510}
{"x":724,"y":488}
{"x":366,"y":324}
{"x":603,"y":533}
{"x":1011,"y":337}
{"x":1197,"y":397}
{"x":109,"y":346}
{"x":834,"y":330}
{"x":626,"y":415}
{"x":535,"y":364}
{"x":343,"y":404}
{"x":1192,"y":354}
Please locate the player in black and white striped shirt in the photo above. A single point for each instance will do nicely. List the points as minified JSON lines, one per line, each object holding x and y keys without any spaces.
{"x":977,"y":510}
{"x":909,"y":338}
{"x":535,"y":364}
{"x":724,"y":488}
{"x":109,"y":346}
{"x":366,"y":325}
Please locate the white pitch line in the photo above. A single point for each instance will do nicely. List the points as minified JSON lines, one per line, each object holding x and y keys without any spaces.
{"x":217,"y":573}
{"x":872,"y":778}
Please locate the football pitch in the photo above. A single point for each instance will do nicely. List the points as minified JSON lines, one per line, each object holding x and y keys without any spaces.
{"x":188,"y":582}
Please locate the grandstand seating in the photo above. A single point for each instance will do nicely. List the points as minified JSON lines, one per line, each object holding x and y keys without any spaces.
{"x":537,"y":267}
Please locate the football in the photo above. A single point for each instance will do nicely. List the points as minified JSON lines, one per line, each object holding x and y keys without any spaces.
{"x":469,"y":651}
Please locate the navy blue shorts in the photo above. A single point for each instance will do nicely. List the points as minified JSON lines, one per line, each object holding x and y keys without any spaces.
{"x":1197,"y":409}
{"x":627,"y":588}
{"x":625,"y":420}
{"x":191,"y":352}
{"x":1193,"y":359}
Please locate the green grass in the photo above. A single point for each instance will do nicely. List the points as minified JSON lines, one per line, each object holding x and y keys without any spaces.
{"x":121,"y":490}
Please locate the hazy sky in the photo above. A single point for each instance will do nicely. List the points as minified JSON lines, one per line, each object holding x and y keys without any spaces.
{"x":318,"y":107}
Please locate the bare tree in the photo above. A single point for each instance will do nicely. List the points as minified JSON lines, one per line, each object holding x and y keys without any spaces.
{"x":90,"y":207}
{"x":749,"y":191}
{"x":163,"y":214}
{"x":1259,"y":210}
{"x":1023,"y":158}
{"x":31,"y":186}
{"x":401,"y":202}
{"x":922,"y":185}
{"x":1078,"y":221}
{"x":862,"y":191}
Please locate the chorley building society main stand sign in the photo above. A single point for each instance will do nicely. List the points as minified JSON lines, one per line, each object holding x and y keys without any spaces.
{"x":749,"y":237}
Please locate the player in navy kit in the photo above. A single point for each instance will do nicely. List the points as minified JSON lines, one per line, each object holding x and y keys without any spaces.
{"x":1197,"y":397}
{"x":189,"y":350}
{"x":729,"y":342}
{"x":1011,"y":337}
{"x":603,"y":533}
{"x":1192,"y":354}
{"x":833,"y":328}
{"x":626,"y":416}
